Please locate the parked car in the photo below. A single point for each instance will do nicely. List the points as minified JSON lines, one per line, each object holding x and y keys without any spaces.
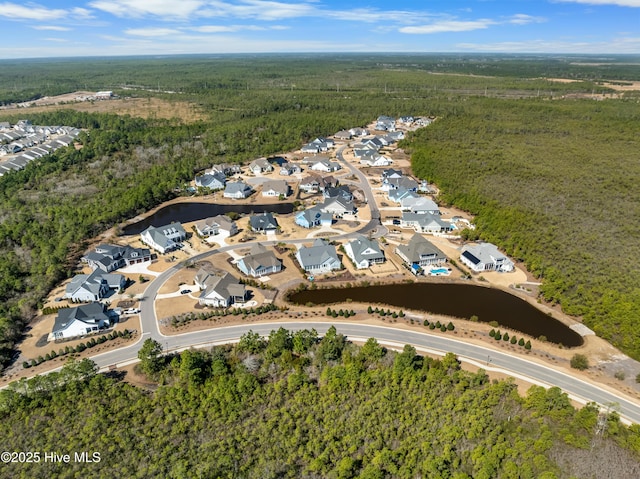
{"x":131,"y":311}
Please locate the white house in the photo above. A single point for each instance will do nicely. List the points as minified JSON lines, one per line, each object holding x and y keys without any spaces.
{"x":259,"y":262}
{"x":216,"y":225}
{"x":326,"y":166}
{"x":364,"y":252}
{"x":94,"y":286}
{"x":319,"y":258}
{"x":261,"y":165}
{"x":220,"y":290}
{"x":485,"y":257}
{"x":79,"y":321}
{"x":277,"y":188}
{"x":164,"y":238}
{"x":374,"y":159}
{"x":237,"y":190}
{"x":424,"y":222}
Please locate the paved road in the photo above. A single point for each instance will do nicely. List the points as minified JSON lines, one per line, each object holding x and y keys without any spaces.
{"x":484,"y":357}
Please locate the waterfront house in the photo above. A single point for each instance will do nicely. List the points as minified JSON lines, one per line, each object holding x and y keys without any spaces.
{"x":263,"y":223}
{"x":319,"y":258}
{"x":364,"y":252}
{"x":215,"y":225}
{"x":164,"y":238}
{"x":485,"y":257}
{"x":237,"y":190}
{"x":420,"y":253}
{"x":277,"y":188}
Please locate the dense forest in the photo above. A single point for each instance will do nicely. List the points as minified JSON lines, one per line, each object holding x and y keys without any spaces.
{"x":553,"y":184}
{"x":296,"y":405}
{"x":551,"y":180}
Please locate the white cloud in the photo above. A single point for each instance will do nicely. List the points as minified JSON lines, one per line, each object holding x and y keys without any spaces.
{"x":261,"y":9}
{"x":151,"y":32}
{"x":449,"y":26}
{"x":619,"y":3}
{"x":141,"y":8}
{"x":522,"y":19}
{"x":30,"y":12}
{"x":51,"y":27}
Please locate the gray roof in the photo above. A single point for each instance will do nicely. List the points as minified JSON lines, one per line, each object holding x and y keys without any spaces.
{"x":319,"y":253}
{"x":237,"y":187}
{"x":260,"y":257}
{"x":404,"y":182}
{"x":221,"y":221}
{"x":91,"y":313}
{"x":420,"y":248}
{"x":365,"y":249}
{"x":425,"y":219}
{"x":225,"y":285}
{"x":279,"y":186}
{"x":263,"y":221}
{"x":211,"y":180}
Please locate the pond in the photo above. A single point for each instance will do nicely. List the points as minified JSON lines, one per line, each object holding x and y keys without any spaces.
{"x":186,"y":212}
{"x":453,"y":299}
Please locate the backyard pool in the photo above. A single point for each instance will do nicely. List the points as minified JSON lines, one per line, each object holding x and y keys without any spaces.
{"x":439,"y":271}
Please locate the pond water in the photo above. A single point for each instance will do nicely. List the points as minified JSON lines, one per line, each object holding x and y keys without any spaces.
{"x":453,"y":299}
{"x":186,"y":212}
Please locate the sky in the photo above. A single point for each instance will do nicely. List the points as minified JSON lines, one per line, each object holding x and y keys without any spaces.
{"x":69,"y":28}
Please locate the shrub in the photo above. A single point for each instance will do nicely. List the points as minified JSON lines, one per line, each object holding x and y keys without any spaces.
{"x":527,"y":345}
{"x":521,"y":342}
{"x":26,"y":365}
{"x":498,"y":336}
{"x":450,"y":326}
{"x":474,"y":318}
{"x":443,"y":328}
{"x":620,"y":375}
{"x":370,"y":309}
{"x":438,"y":325}
{"x":492,"y":333}
{"x":426,"y":323}
{"x":432,"y":326}
{"x":505,"y":336}
{"x":514,"y":340}
{"x":580,"y":362}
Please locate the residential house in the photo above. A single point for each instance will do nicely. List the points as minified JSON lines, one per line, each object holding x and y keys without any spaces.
{"x":79,"y":321}
{"x":108,"y":257}
{"x":424,"y":222}
{"x":319,"y":258}
{"x":259,"y":262}
{"x":358,"y":132}
{"x":391,"y":173}
{"x":213,"y":181}
{"x":338,"y":207}
{"x":364,"y":252}
{"x":385,"y":123}
{"x":394,"y":136}
{"x":220,"y":290}
{"x":164,"y":238}
{"x":420,"y":253}
{"x":420,"y":205}
{"x":341,"y":191}
{"x":318,"y":145}
{"x":326,"y":166}
{"x":94,"y":286}
{"x":485,"y":257}
{"x":343,"y":135}
{"x":277,"y":188}
{"x":237,"y":190}
{"x":395,"y":183}
{"x":288,"y":169}
{"x":374,"y":159}
{"x":313,"y":216}
{"x":400,"y":194}
{"x":263,"y":223}
{"x":220,"y":224}
{"x":310,"y":184}
{"x":406,"y":120}
{"x":374,"y":143}
{"x":259,"y":166}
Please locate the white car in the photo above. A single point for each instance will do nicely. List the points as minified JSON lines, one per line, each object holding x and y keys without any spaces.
{"x":131,"y":311}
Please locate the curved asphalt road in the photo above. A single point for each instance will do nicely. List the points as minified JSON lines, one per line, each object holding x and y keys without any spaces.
{"x":484,"y":357}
